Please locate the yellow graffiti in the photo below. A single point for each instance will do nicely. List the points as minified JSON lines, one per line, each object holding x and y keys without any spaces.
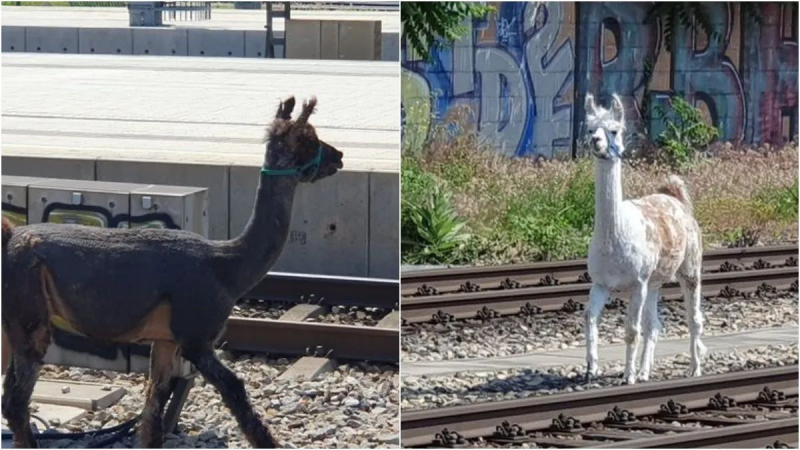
{"x":15,"y":218}
{"x":416,"y":98}
{"x":87,"y":218}
{"x":150,"y":224}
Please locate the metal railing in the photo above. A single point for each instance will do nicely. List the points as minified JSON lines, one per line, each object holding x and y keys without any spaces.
{"x":152,"y":14}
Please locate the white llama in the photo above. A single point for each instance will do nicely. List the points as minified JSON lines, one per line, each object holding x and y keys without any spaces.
{"x":637,"y":246}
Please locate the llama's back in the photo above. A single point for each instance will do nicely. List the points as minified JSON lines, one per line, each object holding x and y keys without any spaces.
{"x":670,"y":227}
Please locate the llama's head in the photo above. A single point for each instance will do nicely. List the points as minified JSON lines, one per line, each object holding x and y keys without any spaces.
{"x":293,"y":147}
{"x":605,"y":128}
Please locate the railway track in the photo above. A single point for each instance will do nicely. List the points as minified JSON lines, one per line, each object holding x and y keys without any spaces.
{"x":463,"y":293}
{"x":327,"y":290}
{"x":742,"y":410}
{"x":303,"y":338}
{"x":291,"y":334}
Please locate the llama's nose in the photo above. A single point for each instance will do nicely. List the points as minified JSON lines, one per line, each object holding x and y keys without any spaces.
{"x":595,"y":139}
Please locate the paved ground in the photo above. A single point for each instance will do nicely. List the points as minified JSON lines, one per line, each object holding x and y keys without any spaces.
{"x":193,"y":109}
{"x":543,"y":360}
{"x":220,"y":18}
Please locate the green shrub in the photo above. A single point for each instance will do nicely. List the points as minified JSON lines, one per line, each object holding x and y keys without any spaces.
{"x":685,"y":133}
{"x":781,"y":202}
{"x":432,"y":231}
{"x":556,"y":221}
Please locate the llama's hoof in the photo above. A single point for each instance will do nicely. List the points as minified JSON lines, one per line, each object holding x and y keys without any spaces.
{"x":591,"y":374}
{"x":696,"y":372}
{"x":643,"y":376}
{"x":630,"y":379}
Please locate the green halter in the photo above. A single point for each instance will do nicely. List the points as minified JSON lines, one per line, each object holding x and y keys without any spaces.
{"x":313,"y":163}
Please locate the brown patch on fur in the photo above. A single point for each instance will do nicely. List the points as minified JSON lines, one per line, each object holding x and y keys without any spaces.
{"x":162,"y":358}
{"x":56,"y":306}
{"x":8,"y":231}
{"x":664,"y":233}
{"x":154,"y":327}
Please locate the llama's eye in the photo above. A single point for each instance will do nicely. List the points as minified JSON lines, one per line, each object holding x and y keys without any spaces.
{"x":614,"y":132}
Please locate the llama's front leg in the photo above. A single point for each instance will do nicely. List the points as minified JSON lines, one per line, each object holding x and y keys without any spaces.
{"x":162,"y":356}
{"x":598,"y":296}
{"x":652,"y":327}
{"x":694,"y":317}
{"x":17,"y":389}
{"x":233,"y":394}
{"x":633,"y":329}
{"x":28,"y":349}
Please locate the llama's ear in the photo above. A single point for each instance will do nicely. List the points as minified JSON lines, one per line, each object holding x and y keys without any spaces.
{"x":618,"y":109}
{"x":308,"y":109}
{"x":589,"y":104}
{"x":285,"y":109}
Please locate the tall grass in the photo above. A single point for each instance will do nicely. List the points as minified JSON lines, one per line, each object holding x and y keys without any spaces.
{"x":521,"y":209}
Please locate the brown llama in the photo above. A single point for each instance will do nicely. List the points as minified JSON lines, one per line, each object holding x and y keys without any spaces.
{"x":172,"y":287}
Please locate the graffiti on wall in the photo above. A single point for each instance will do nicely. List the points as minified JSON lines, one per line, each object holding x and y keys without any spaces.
{"x":513,"y":72}
{"x":519,"y":71}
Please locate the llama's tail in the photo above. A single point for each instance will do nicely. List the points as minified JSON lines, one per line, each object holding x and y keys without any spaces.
{"x":8,"y":230}
{"x":676,"y":187}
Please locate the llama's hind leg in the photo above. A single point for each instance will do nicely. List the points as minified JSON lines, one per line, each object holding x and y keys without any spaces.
{"x":633,"y":330}
{"x":28,"y":349}
{"x":651,"y":330}
{"x":162,"y":356}
{"x":692,"y":297}
{"x":597,"y":301}
{"x":231,"y":388}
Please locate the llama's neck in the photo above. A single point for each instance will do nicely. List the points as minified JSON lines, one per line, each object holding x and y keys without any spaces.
{"x":258,"y":247}
{"x":608,"y":199}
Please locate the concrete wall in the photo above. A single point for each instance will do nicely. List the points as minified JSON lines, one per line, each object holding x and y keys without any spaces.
{"x":334,"y":39}
{"x":198,"y":41}
{"x":346,"y":225}
{"x":522,"y":73}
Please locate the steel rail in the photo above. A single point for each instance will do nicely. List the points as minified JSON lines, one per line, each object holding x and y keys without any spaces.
{"x":480,"y":420}
{"x":450,"y":280}
{"x":300,"y":338}
{"x":551,"y":298}
{"x":751,"y":435}
{"x":329,"y":290}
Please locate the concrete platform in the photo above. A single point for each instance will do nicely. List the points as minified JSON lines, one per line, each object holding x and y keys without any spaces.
{"x":608,"y":353}
{"x":237,"y":33}
{"x":199,"y":122}
{"x":76,"y":394}
{"x":210,"y":110}
{"x":225,"y":19}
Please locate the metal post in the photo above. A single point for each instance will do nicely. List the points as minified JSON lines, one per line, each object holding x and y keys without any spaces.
{"x":269,"y":51}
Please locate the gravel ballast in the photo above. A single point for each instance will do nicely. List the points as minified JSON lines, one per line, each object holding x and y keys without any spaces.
{"x":354,"y":406}
{"x":514,"y":335}
{"x":337,"y":315}
{"x":477,"y":387}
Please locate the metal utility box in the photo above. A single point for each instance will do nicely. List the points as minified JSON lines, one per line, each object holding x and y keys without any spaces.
{"x":15,"y":197}
{"x":91,"y":203}
{"x":31,"y":200}
{"x":181,"y":207}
